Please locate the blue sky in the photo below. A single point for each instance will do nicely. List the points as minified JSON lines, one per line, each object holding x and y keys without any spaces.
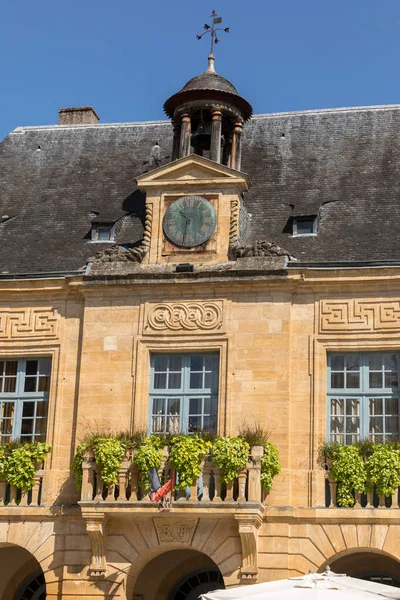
{"x":126,"y":57}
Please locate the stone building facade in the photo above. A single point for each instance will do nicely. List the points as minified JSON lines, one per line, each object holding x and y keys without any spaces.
{"x":280,"y":262}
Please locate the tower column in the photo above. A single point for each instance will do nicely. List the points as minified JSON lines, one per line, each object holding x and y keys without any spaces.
{"x":216,"y":135}
{"x":176,"y":140}
{"x":184,"y":148}
{"x":236,"y":145}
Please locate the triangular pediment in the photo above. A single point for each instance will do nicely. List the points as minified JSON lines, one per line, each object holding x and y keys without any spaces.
{"x":192,"y":169}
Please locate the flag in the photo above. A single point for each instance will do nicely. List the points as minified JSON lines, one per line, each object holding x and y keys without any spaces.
{"x":164,"y":490}
{"x":217,"y":20}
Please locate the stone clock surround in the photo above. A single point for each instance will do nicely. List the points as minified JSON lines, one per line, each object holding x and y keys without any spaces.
{"x":193,"y":176}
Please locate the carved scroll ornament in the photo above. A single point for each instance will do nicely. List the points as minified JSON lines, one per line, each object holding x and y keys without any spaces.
{"x":185,"y":316}
{"x":359,"y":315}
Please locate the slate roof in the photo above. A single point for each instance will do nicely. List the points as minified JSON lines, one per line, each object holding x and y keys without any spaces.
{"x":342,"y":164}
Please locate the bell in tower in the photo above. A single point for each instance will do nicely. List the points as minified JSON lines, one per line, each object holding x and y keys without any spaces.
{"x":208,"y":114}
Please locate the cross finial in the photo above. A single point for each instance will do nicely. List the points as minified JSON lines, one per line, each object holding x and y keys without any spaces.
{"x":212,"y":30}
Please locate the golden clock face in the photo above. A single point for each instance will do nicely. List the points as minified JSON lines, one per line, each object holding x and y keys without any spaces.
{"x":189,"y":221}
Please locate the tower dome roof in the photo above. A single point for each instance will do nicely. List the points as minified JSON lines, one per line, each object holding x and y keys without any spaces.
{"x":209,"y":86}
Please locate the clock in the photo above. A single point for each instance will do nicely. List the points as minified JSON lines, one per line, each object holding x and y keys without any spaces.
{"x":189,"y":221}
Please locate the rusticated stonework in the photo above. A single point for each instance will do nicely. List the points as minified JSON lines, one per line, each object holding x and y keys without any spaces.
{"x":175,"y":530}
{"x":359,"y":315}
{"x":184,"y":316}
{"x":28,"y":323}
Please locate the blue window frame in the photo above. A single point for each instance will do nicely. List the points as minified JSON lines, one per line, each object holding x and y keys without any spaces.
{"x":363,"y":396}
{"x":184,"y":393}
{"x":24,"y":395}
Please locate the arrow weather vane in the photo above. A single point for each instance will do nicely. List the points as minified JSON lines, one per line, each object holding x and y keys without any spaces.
{"x":211,"y":29}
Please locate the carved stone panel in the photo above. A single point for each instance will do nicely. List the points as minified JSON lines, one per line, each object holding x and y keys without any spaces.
{"x":28,"y":323}
{"x":175,"y":530}
{"x":348,"y":316}
{"x":184,"y":317}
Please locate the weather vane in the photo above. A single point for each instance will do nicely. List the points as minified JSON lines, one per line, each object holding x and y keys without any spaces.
{"x":211,"y":29}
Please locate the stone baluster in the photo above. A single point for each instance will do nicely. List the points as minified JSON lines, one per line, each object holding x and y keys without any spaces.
{"x":24,"y":498}
{"x":357,"y":503}
{"x":229,"y":491}
{"x":87,"y":491}
{"x":99,"y":485}
{"x":206,"y":469}
{"x":217,"y":483}
{"x":13,"y":495}
{"x":134,"y":483}
{"x":110,"y":493}
{"x":254,"y":469}
{"x":193,"y":489}
{"x":3,"y":488}
{"x":216,"y":135}
{"x":242,"y":477}
{"x":184,"y":147}
{"x":182,"y":495}
{"x":37,"y":486}
{"x":123,"y":478}
{"x":395,"y":499}
{"x":370,"y":495}
{"x":382,"y":501}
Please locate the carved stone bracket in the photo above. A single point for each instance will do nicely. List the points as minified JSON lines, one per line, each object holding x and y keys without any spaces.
{"x":95,"y":526}
{"x":259,"y":248}
{"x":249,"y":524}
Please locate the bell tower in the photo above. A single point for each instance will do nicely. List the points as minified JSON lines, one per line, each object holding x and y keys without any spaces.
{"x":208,"y":113}
{"x":194,"y":204}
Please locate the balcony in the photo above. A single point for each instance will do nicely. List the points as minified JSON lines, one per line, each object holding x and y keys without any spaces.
{"x":207,"y":490}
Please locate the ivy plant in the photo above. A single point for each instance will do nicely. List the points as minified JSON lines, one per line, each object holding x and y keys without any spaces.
{"x":108,"y":452}
{"x":231,"y":455}
{"x":269,"y":466}
{"x":18,"y":462}
{"x":348,"y":469}
{"x":383,"y":469}
{"x":185,"y":457}
{"x":148,"y":456}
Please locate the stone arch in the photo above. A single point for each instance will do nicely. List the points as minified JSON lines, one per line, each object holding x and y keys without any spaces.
{"x":318,"y":544}
{"x":38,"y":539}
{"x":21,"y":575}
{"x":172,"y":570}
{"x":132,"y":545}
{"x":366,"y":563}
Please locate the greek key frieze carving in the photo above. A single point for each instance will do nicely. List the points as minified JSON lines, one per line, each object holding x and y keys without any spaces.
{"x":175,"y":530}
{"x":359,"y":315}
{"x":184,"y":316}
{"x":29,"y":323}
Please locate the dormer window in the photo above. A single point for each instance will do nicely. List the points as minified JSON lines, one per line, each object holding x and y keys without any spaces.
{"x":305,"y":225}
{"x":103,"y":232}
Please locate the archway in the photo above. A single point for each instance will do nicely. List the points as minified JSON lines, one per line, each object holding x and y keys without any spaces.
{"x":371,"y":566}
{"x":21,"y":577}
{"x":177,"y":575}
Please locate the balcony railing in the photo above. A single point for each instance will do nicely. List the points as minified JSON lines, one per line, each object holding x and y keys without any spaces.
{"x":10,"y":495}
{"x":369,"y":500}
{"x":208,"y":488}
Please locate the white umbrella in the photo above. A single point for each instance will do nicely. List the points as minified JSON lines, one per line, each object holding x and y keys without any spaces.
{"x":313,"y":586}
